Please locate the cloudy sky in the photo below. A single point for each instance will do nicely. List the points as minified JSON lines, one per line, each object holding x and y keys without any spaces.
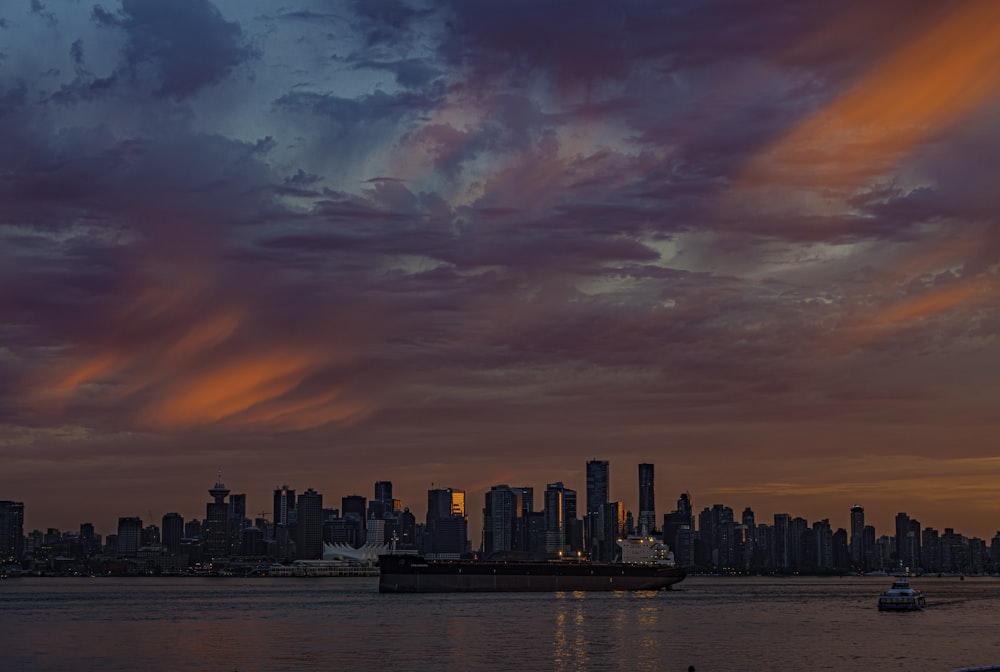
{"x":462,"y":243}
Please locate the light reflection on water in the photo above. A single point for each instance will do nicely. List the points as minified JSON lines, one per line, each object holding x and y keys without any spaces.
{"x":319,"y":624}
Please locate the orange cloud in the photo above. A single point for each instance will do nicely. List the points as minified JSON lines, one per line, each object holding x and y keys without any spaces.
{"x":885,"y":320}
{"x":94,"y":368}
{"x":229,"y":389}
{"x":931,"y":81}
{"x":182,"y":355}
{"x":928,"y":305}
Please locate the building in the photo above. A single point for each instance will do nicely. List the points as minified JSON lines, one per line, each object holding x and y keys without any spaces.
{"x":782,"y":553}
{"x":907,"y":542}
{"x":129,"y":537}
{"x":598,"y":479}
{"x":447,"y":529}
{"x":215,"y":531}
{"x":284,"y":506}
{"x":647,"y":500}
{"x":500,"y":517}
{"x":237,"y":520}
{"x":857,"y":543}
{"x":173,"y":531}
{"x":613,"y":516}
{"x":11,"y":531}
{"x":383,"y":505}
{"x":352,"y":510}
{"x":561,"y":523}
{"x":309,"y":526}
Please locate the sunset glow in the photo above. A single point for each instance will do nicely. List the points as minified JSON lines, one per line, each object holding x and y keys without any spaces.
{"x":472,"y":243}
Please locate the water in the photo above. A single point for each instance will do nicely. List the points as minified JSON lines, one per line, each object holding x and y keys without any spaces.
{"x":713,"y":623}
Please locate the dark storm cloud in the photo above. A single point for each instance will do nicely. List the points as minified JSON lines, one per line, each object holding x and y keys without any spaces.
{"x":183,"y":46}
{"x":385,"y":21}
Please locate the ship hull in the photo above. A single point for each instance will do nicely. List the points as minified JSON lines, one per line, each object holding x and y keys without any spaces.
{"x":413,"y":574}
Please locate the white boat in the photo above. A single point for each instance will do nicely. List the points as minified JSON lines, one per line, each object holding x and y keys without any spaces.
{"x":901,"y":597}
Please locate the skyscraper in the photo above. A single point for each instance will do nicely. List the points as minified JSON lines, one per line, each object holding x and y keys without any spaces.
{"x":237,"y":519}
{"x":215,"y":531}
{"x":857,"y":544}
{"x":447,"y":526}
{"x":598,"y":477}
{"x":500,"y":516}
{"x":309,"y":526}
{"x":782,"y":554}
{"x":555,"y":516}
{"x":11,"y":531}
{"x":173,"y":531}
{"x":284,"y":506}
{"x":129,"y":536}
{"x":647,"y":500}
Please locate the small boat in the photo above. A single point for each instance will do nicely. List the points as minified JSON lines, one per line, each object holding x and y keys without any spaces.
{"x":901,"y":597}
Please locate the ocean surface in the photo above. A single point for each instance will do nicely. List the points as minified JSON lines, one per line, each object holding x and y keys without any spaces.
{"x":712,"y":623}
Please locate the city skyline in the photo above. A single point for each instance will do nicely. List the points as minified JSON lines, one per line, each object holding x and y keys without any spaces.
{"x":884,"y":522}
{"x":472,"y":243}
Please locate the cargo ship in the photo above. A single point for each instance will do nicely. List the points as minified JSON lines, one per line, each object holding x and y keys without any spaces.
{"x":416,"y":574}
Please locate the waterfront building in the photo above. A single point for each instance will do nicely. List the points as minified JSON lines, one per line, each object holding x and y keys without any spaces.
{"x":129,"y":537}
{"x":11,"y":531}
{"x":309,"y":526}
{"x":647,"y":500}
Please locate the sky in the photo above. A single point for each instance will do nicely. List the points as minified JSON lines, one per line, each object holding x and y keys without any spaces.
{"x":459,"y":243}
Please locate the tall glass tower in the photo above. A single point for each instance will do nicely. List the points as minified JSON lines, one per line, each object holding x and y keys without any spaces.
{"x":647,"y":500}
{"x":858,"y":536}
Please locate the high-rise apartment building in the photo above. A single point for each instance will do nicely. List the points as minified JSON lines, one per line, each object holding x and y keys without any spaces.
{"x":647,"y":500}
{"x":11,"y":531}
